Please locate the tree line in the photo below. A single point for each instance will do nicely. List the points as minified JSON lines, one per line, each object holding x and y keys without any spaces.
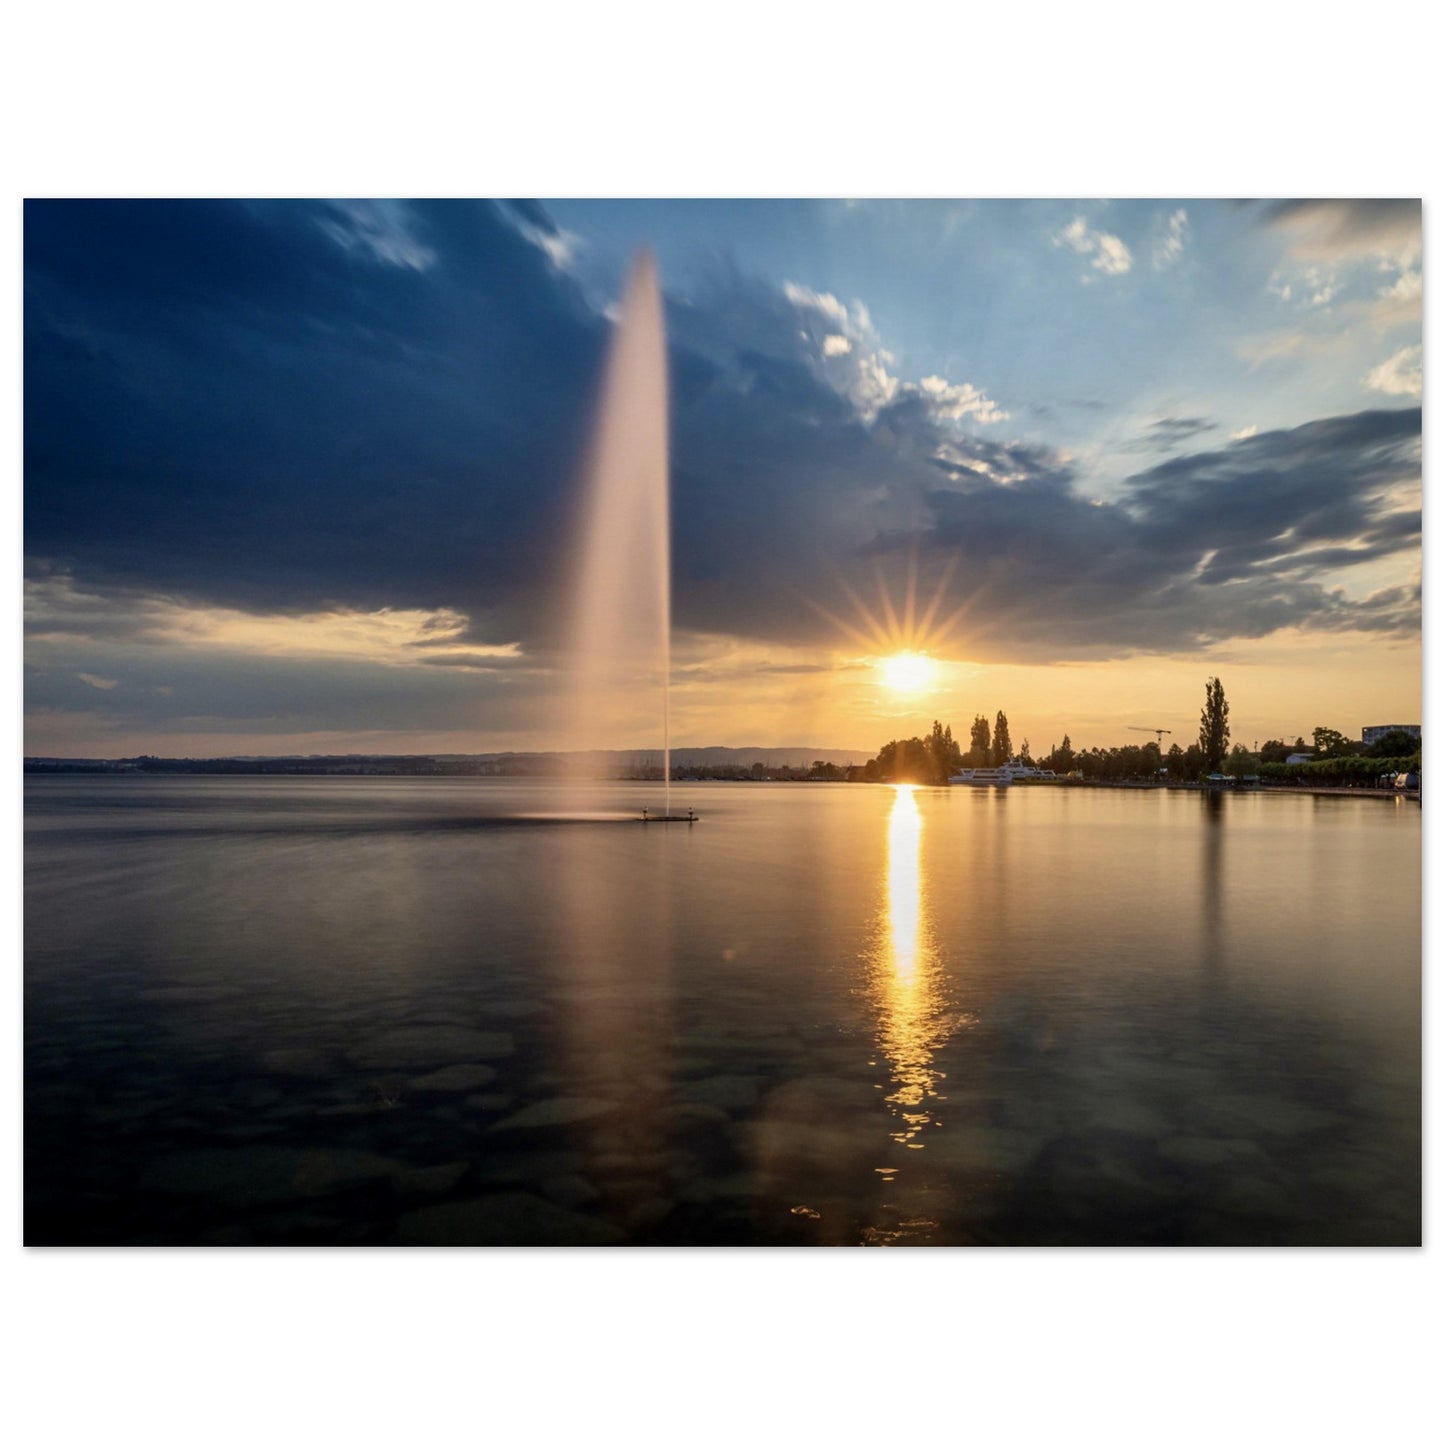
{"x":932,"y":760}
{"x":1332,"y":756}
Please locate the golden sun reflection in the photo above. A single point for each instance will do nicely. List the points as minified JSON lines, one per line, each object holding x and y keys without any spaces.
{"x":906,"y":991}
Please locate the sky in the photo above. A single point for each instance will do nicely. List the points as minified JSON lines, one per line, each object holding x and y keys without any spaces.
{"x":304,"y":477}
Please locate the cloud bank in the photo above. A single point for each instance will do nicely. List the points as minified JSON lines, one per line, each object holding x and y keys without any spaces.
{"x":297,"y":408}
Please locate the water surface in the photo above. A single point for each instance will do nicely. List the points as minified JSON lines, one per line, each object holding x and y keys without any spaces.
{"x":323,"y":1010}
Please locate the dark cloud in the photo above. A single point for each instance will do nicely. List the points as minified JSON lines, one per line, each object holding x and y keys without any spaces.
{"x":1170,"y":433}
{"x":1340,"y":228}
{"x":225,"y":401}
{"x":291,"y":406}
{"x":1275,"y":516}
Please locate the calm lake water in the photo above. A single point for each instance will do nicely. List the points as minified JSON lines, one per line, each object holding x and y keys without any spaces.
{"x":411,"y":1011}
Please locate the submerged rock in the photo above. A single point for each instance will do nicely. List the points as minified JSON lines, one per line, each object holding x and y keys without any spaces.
{"x":691,"y":1118}
{"x":265,"y":1173}
{"x":1256,"y":1198}
{"x":190,"y":993}
{"x":1265,"y":1114}
{"x":434,"y":1179}
{"x":555,"y":1113}
{"x":504,"y":1219}
{"x":570,"y":1190}
{"x":296,"y":1063}
{"x":980,"y":1149}
{"x":454,"y":1079}
{"x":721,"y":1091}
{"x":512,"y":1009}
{"x":488,"y":1103}
{"x":648,"y":1214}
{"x":1127,"y":1117}
{"x":1205,"y":1153}
{"x":430,"y":1044}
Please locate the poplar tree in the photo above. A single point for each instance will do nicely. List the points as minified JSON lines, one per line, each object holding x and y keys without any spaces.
{"x":978,"y":744}
{"x":1213,"y":725}
{"x":1002,"y":748}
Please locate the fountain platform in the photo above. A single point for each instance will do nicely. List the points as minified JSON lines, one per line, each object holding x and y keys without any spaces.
{"x":687,"y":817}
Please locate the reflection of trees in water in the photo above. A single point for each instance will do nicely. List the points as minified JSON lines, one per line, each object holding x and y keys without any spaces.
{"x":1211,"y":897}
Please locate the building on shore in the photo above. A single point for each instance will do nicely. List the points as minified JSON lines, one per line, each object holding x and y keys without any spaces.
{"x":1370,"y":736}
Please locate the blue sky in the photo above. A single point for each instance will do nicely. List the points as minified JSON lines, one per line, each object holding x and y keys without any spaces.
{"x":299,"y":473}
{"x":1243,"y":313}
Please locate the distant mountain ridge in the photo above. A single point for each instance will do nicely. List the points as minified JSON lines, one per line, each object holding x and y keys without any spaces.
{"x":791,"y":757}
{"x":607,"y":760}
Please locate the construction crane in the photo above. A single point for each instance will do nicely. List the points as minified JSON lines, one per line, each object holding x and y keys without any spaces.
{"x":1158,"y":734}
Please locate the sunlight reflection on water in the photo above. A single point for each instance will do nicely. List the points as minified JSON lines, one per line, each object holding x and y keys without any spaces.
{"x":906,"y":985}
{"x":330,"y":1011}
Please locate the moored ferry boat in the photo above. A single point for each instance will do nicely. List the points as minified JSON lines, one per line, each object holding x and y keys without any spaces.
{"x":982,"y":777}
{"x":1011,"y":772}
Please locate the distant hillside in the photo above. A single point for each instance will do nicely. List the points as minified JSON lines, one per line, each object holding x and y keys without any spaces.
{"x":605,"y":762}
{"x":789,"y":757}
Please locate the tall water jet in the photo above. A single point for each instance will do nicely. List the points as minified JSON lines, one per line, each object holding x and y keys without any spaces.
{"x":622,"y":632}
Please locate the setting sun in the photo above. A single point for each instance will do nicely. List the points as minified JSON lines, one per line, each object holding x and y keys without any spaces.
{"x":906,"y":671}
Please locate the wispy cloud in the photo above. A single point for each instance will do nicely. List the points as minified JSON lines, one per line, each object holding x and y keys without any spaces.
{"x":1308,"y":287}
{"x":1400,"y":374}
{"x":378,"y":229}
{"x":1170,"y":245}
{"x":1169,"y":433}
{"x":1106,"y":253}
{"x":958,"y":400}
{"x":537,"y":226}
{"x":1335,"y":251}
{"x":858,"y":365}
{"x":1339,"y":230}
{"x":1406,"y":288}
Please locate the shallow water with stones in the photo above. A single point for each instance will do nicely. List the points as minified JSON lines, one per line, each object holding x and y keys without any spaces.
{"x":408,"y":1011}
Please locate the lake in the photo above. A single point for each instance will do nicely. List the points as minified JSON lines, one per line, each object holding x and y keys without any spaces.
{"x":378,"y":1011}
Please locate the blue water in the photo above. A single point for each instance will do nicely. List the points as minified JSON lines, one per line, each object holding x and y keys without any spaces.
{"x":438,"y":1011}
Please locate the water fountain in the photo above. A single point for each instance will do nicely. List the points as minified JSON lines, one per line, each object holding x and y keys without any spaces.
{"x":622,"y":635}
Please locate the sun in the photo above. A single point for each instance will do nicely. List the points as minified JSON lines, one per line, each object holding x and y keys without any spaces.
{"x":903,"y":641}
{"x":906,"y":671}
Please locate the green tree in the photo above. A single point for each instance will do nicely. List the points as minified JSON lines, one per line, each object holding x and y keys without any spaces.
{"x":1332,"y":744}
{"x":1394,"y":744}
{"x":1061,"y":758}
{"x":1213,"y":725}
{"x":979,"y":750}
{"x":927,"y":760}
{"x":1002,"y":748}
{"x":1240,"y":763}
{"x":1025,"y":757}
{"x":943,"y":753}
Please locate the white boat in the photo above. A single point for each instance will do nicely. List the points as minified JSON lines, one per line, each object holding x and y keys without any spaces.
{"x":1010,"y":772}
{"x":983,"y":777}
